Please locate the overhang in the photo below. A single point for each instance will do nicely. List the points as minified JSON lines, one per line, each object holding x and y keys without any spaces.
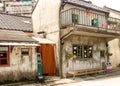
{"x":14,"y":36}
{"x":107,"y":36}
{"x":43,"y":40}
{"x":18,"y":44}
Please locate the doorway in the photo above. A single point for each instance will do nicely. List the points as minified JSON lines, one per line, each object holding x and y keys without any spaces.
{"x":48,"y":59}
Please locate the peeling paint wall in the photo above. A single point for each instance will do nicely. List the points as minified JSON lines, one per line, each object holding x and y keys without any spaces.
{"x":21,"y":67}
{"x":96,"y":62}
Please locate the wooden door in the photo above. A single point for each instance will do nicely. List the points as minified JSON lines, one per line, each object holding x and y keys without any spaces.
{"x":48,"y":59}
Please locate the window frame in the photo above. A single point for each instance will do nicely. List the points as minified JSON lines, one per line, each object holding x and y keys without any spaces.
{"x":102,"y":53}
{"x":75,"y":18}
{"x":25,"y":54}
{"x":82,"y":53}
{"x":8,"y":56}
{"x":94,"y":22}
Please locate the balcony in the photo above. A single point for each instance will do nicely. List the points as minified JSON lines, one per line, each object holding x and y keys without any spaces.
{"x":114,"y":23}
{"x":88,"y":21}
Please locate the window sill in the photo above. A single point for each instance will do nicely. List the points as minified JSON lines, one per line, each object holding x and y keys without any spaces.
{"x":7,"y":65}
{"x":84,"y":59}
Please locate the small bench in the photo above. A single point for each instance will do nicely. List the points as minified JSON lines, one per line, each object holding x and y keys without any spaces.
{"x":86,"y":71}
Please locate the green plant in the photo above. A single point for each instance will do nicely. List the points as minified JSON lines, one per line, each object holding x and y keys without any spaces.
{"x":70,"y":56}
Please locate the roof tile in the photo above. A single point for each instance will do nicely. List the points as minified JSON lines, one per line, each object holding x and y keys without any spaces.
{"x":86,"y":4}
{"x":18,"y":36}
{"x":13,"y":22}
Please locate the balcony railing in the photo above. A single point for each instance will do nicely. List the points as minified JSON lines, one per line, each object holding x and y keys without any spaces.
{"x":114,"y":23}
{"x":76,"y":17}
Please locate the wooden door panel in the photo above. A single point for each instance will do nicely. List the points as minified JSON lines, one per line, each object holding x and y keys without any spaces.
{"x":48,"y":60}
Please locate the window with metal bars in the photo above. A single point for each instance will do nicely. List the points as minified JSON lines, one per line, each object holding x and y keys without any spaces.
{"x":83,"y":51}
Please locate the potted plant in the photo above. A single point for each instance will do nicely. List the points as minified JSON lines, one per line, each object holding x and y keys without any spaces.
{"x":109,"y":54}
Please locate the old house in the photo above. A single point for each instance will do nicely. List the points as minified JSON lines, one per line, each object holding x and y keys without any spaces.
{"x":18,"y":57}
{"x":114,"y":24}
{"x":80,"y":31}
{"x":84,"y":35}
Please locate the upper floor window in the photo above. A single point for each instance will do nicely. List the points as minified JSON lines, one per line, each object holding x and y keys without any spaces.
{"x":75,"y":18}
{"x":95,"y":22}
{"x":4,"y":55}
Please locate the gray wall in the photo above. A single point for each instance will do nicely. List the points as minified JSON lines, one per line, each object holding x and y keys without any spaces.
{"x":96,"y":62}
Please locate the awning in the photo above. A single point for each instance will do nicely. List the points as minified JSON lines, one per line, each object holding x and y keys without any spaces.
{"x":15,"y":36}
{"x":43,"y":40}
{"x":18,"y":44}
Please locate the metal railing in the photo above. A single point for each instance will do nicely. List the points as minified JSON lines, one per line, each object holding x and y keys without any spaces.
{"x":114,"y":23}
{"x":76,"y":16}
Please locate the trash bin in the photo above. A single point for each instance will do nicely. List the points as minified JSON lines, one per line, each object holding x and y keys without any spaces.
{"x":108,"y":67}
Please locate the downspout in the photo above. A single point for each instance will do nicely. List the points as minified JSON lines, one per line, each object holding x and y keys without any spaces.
{"x":60,"y":53}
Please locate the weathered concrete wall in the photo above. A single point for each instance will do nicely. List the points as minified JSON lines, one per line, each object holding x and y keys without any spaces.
{"x":115,"y":44}
{"x":115,"y":50}
{"x":21,"y":67}
{"x":96,"y":62}
{"x":46,"y":18}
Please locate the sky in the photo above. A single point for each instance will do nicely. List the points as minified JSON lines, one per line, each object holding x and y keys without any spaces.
{"x":114,"y":4}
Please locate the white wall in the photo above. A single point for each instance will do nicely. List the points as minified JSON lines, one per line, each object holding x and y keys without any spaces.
{"x":114,"y":14}
{"x":115,"y":50}
{"x":46,"y":18}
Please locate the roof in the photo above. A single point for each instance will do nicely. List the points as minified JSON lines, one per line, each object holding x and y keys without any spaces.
{"x":107,"y":8}
{"x":85,"y":4}
{"x":14,"y":22}
{"x":14,"y":36}
{"x":18,"y":44}
{"x":43,"y":40}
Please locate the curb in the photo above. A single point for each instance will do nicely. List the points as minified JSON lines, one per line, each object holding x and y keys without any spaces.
{"x":18,"y":83}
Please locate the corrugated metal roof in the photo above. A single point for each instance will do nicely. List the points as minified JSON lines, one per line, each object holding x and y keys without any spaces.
{"x":86,"y":4}
{"x":14,"y":36}
{"x":13,"y":22}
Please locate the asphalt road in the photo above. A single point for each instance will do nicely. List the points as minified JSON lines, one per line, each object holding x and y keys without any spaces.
{"x":106,"y":81}
{"x":111,"y":81}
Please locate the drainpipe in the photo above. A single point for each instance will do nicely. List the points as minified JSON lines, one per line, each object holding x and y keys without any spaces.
{"x":61,"y":46}
{"x":108,"y":58}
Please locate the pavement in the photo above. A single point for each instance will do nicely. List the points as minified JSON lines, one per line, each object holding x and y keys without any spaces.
{"x":56,"y":81}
